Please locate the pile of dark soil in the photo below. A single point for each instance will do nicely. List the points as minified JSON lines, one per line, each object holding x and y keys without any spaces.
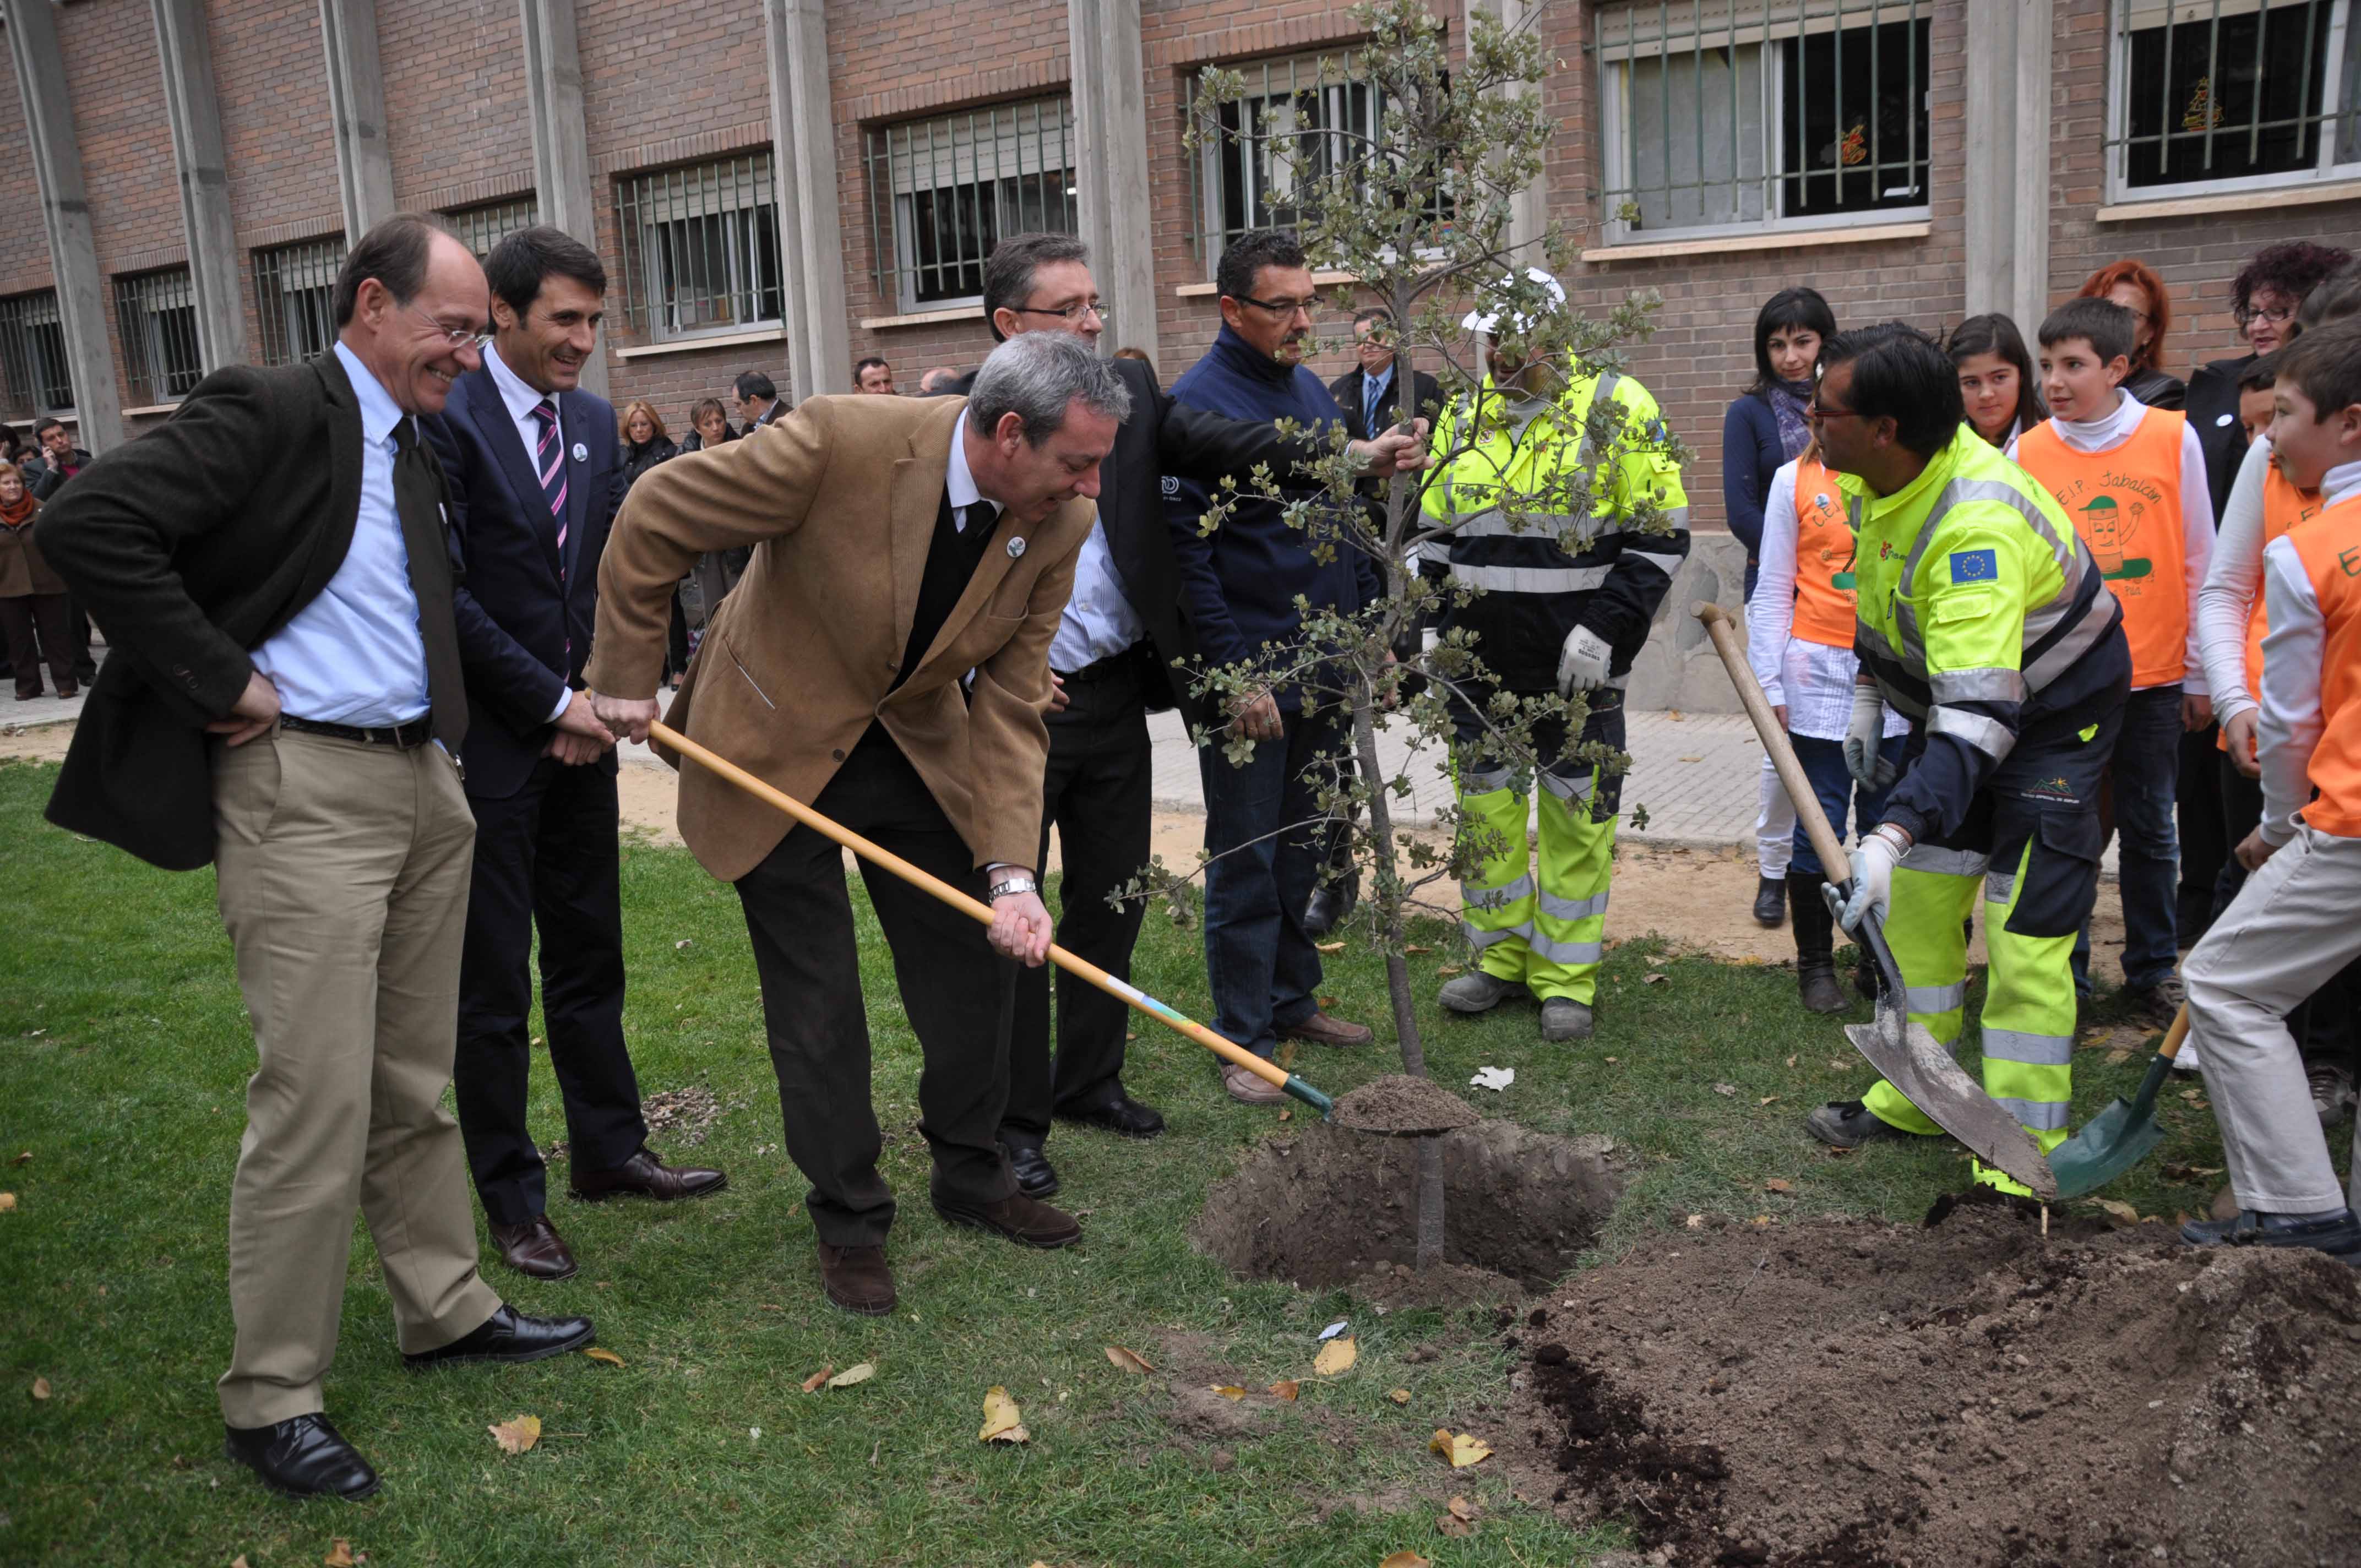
{"x":1338,"y":1207}
{"x":1840,"y":1393}
{"x":1399,"y":1103}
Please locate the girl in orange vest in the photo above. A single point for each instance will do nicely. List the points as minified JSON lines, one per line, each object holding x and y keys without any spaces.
{"x":1799,"y":633}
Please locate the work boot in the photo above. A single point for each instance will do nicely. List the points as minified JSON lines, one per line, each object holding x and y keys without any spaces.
{"x":1815,"y":969}
{"x":1771,"y":898}
{"x":1565,"y":1019}
{"x":2154,"y":1007}
{"x":2337,"y":1234}
{"x":1477,"y":992}
{"x":1850,"y":1124}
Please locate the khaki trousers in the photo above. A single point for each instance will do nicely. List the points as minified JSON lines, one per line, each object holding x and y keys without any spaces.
{"x":342,"y":872}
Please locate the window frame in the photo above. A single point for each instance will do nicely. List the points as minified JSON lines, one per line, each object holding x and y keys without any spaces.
{"x":12,"y":311}
{"x":139,"y":327}
{"x":649,"y":303}
{"x":484,"y":220}
{"x":279,"y":343}
{"x":895,"y":268}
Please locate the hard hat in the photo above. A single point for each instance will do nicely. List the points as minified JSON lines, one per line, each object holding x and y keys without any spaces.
{"x":1482,"y":320}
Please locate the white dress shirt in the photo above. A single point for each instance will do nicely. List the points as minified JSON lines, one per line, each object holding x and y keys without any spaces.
{"x":1813,"y":680}
{"x":1099,"y":622}
{"x":2291,"y":721}
{"x":354,"y":654}
{"x":959,"y":484}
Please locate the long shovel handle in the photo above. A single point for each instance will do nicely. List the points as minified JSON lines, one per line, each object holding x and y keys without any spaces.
{"x":1188,"y":1028}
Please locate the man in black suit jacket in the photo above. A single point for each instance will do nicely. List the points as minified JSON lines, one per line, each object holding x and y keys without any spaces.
{"x":285,"y":701}
{"x":534,"y":475}
{"x":759,"y":403}
{"x":1113,"y":660}
{"x":1374,"y":387}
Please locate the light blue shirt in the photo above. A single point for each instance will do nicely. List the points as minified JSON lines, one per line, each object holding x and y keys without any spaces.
{"x":1099,"y":622}
{"x":354,"y":654}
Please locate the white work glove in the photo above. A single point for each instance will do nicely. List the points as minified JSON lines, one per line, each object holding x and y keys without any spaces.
{"x":1862,"y":738}
{"x":1873,"y":877}
{"x":1582,"y":667}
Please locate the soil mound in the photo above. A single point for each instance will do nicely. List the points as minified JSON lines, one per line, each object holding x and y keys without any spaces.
{"x":1841,"y":1394}
{"x":1340,"y":1208}
{"x":1399,"y":1103}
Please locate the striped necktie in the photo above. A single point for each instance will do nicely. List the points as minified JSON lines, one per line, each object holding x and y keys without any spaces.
{"x":549,"y":462}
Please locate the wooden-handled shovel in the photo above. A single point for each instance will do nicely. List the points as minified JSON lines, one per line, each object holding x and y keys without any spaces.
{"x":1912,"y":1059}
{"x":925,"y":882}
{"x":2120,"y":1136}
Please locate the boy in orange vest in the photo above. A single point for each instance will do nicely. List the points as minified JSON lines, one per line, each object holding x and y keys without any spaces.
{"x":2293,"y":924}
{"x":2133,"y":478}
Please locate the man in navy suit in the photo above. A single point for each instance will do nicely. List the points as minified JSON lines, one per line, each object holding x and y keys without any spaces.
{"x":534,"y":471}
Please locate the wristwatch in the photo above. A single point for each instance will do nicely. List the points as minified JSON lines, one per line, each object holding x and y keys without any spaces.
{"x":1012,"y":881}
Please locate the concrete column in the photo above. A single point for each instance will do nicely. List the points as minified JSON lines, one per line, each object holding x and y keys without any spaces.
{"x":1529,"y":207}
{"x":561,"y":139}
{"x":356,"y":104}
{"x":1111,"y":164}
{"x":65,"y":212}
{"x":811,"y":229}
{"x":185,"y":50}
{"x":2007,"y":133}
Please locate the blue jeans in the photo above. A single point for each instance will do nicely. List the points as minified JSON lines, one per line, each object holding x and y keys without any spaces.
{"x":2141,"y":785}
{"x":1833,"y":787}
{"x":1263,"y":970}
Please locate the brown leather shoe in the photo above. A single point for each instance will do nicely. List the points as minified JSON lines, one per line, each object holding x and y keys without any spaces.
{"x":1249,"y":1088}
{"x":856,"y":1278}
{"x":534,"y":1249}
{"x":1020,"y":1218}
{"x":645,"y":1176}
{"x":1322,"y":1029}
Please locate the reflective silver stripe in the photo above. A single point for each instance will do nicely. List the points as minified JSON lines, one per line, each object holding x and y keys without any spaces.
{"x":2033,"y":1051}
{"x":1961,"y":491}
{"x":2000,"y":887}
{"x":1667,"y":565}
{"x":1937,"y":998}
{"x":1994,"y":684}
{"x":1499,"y":897}
{"x":2098,"y":617}
{"x":1989,"y":735}
{"x":2041,"y":1116}
{"x":1935,"y":861}
{"x":1558,"y":909}
{"x":1530,"y":579}
{"x":1483,"y":781}
{"x":2070,"y":555}
{"x":1565,"y":952}
{"x":1482,"y":939}
{"x":1568,"y":789}
{"x":1493,"y":524}
{"x":1678,"y":518}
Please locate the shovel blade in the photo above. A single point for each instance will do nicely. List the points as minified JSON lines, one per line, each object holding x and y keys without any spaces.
{"x":1915,"y":1062}
{"x":2110,"y":1144}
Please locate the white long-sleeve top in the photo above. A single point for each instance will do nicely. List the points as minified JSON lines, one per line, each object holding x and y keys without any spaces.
{"x":2291,"y":719}
{"x":2196,"y":508}
{"x":1814,"y":680}
{"x":2232,"y":578}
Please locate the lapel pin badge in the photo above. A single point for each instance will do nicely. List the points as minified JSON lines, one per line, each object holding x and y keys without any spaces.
{"x":1016,"y":548}
{"x":581,"y":453}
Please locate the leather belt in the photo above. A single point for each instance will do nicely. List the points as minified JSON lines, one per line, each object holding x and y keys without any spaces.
{"x":406,"y":737}
{"x":1128,"y":662}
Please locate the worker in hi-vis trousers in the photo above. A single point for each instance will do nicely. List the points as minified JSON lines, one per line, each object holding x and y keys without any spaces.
{"x":1564,"y":608}
{"x":1987,"y":623}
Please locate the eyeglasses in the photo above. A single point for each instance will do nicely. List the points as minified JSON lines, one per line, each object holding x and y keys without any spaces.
{"x":2247,"y":315}
{"x":457,"y":336}
{"x":1283,"y":307}
{"x":1818,"y":415}
{"x":1074,"y":312}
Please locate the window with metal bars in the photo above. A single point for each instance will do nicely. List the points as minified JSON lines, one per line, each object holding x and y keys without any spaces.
{"x":480,"y":228}
{"x":156,"y":313}
{"x":1723,"y":114}
{"x":2213,"y":94}
{"x":33,"y":357}
{"x":942,"y":192}
{"x":700,"y":247}
{"x":295,"y":298}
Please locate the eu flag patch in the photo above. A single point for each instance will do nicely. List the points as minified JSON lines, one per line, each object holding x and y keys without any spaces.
{"x":1975,"y":567}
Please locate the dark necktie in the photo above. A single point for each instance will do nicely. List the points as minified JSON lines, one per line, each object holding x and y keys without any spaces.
{"x":549,"y":462}
{"x":418,"y":502}
{"x":978,"y":514}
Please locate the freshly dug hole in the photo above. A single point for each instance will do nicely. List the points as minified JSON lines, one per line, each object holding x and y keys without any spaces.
{"x":1332,"y":1206}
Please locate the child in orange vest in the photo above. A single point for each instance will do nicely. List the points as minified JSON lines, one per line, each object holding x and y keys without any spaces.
{"x":2133,"y":478}
{"x":2293,"y":924}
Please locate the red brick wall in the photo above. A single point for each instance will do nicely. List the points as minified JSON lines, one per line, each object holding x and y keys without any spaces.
{"x":457,"y":126}
{"x":271,"y":75}
{"x":25,"y":244}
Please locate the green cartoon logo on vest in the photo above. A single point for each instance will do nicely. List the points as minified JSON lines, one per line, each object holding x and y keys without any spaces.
{"x":2108,"y":532}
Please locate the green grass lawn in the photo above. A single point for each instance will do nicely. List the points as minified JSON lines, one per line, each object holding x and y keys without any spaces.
{"x":124,"y":1051}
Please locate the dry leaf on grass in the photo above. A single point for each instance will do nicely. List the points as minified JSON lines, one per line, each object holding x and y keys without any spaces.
{"x":1725,"y":1089}
{"x":1462,"y":1450}
{"x":516,"y":1436}
{"x":1328,"y":1002}
{"x":238,"y":1561}
{"x":1791,"y":1062}
{"x":1286,"y":1389}
{"x":2117,"y":1057}
{"x":1287,"y":1112}
{"x":1398,"y":1395}
{"x":1448,"y":969}
{"x":1002,"y":1423}
{"x":340,"y":1555}
{"x":1768,"y":1099}
{"x":1458,"y":1518}
{"x":8,"y":1202}
{"x":22,"y":1158}
{"x":1414,"y":949}
{"x":812,"y":1384}
{"x":860,"y":1371}
{"x":1777,"y":1185}
{"x":1405,"y":1560}
{"x":1227,"y":1390}
{"x":2124,"y":1212}
{"x":1697,"y":1221}
{"x":599,"y":1353}
{"x":1651,"y":980}
{"x":1336,"y":1355}
{"x":1329,"y":947}
{"x":40,"y":1388}
{"x":1128,"y":1360}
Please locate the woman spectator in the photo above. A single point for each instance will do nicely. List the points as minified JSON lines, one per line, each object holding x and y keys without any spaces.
{"x":1763,"y":431}
{"x":2134,"y":286}
{"x":708,"y":425}
{"x":2264,"y":299}
{"x":1996,"y":378}
{"x":32,"y":596}
{"x":717,"y":571}
{"x":645,"y":445}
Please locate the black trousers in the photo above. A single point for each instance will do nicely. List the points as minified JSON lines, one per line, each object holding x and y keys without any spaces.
{"x":34,"y":629}
{"x":1097,"y":791}
{"x":800,"y":917}
{"x":545,"y":858}
{"x":2203,"y":847}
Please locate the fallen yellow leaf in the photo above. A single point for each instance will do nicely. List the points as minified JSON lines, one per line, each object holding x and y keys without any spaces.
{"x":1398,"y":1395}
{"x":516,"y":1436}
{"x":1287,"y":1112}
{"x":238,"y":1561}
{"x":1776,"y":1185}
{"x":1463,"y":1450}
{"x":1337,"y":1356}
{"x":1415,"y":948}
{"x":1651,"y":980}
{"x":339,"y":1556}
{"x":1128,"y":1360}
{"x":860,"y":1372}
{"x":2124,"y":1212}
{"x":1405,"y":1560}
{"x":601,"y":1354}
{"x":1227,"y":1390}
{"x":1329,"y":947}
{"x":1286,"y":1389}
{"x":1768,"y":1099}
{"x":812,"y":1384}
{"x":1326,"y":1003}
{"x":1448,"y":969}
{"x":1453,"y":1525}
{"x":1002,"y":1422}
{"x":40,"y":1388}
{"x":8,"y":1202}
{"x":1462,"y":1508}
{"x":1697,"y":1221}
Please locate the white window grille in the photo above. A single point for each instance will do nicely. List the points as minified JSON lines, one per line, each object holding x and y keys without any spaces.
{"x":1300,"y":123}
{"x":33,"y":357}
{"x":156,"y":313}
{"x":295,"y":296}
{"x":2212,"y":95}
{"x":943,"y":192}
{"x":700,"y":247}
{"x":480,"y":228}
{"x":1740,"y":114}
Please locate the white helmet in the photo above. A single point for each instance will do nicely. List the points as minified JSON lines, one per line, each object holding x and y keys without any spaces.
{"x":1482,"y":320}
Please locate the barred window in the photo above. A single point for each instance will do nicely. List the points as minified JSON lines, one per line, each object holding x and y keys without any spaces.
{"x":2215,"y":94}
{"x":1300,"y":123}
{"x":156,"y":313}
{"x":700,"y":247}
{"x":295,"y":297}
{"x":33,"y":357}
{"x":480,"y":228}
{"x":942,"y":192}
{"x":1762,"y":114}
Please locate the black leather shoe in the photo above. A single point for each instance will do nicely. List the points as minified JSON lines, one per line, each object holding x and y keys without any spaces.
{"x":1036,"y":1177}
{"x":1770,"y":900}
{"x":1118,"y":1113}
{"x":509,"y":1335}
{"x":2339,"y":1236}
{"x":304,"y":1457}
{"x":645,"y":1176}
{"x":1330,"y":905}
{"x":1019,"y":1219}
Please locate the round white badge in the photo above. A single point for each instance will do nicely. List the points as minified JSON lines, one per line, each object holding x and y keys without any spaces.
{"x":581,"y":453}
{"x":1016,"y":548}
{"x":2226,"y":418}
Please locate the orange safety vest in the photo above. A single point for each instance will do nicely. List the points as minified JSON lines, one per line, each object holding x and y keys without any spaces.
{"x":2126,"y":504}
{"x":1824,"y":546}
{"x":2329,"y":545}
